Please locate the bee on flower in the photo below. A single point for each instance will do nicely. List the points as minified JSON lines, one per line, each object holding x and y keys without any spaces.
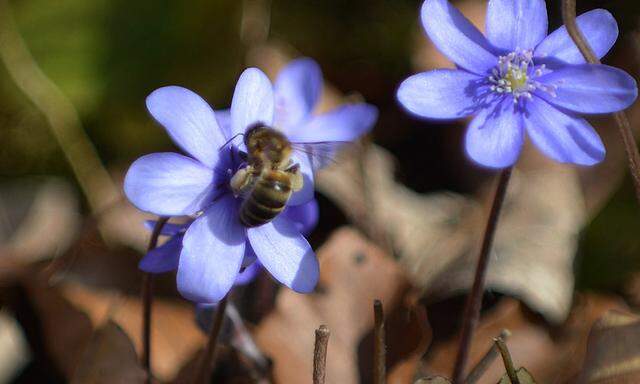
{"x":213,"y":182}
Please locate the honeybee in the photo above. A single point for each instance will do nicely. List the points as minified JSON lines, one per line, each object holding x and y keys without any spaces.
{"x":270,"y":177}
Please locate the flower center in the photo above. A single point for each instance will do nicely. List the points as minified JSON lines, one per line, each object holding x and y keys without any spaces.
{"x":516,"y":78}
{"x":516,"y":73}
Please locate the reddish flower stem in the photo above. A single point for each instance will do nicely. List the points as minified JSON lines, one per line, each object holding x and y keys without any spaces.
{"x":630,"y":147}
{"x":380,"y":350}
{"x":147,"y":300}
{"x":474,"y":301}
{"x":203,"y":373}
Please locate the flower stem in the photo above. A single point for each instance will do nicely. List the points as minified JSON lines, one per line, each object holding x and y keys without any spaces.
{"x":379,"y":357}
{"x":630,"y":147}
{"x":320,"y":354}
{"x":474,"y":301}
{"x":508,"y":362}
{"x":147,"y":299}
{"x":208,"y":357}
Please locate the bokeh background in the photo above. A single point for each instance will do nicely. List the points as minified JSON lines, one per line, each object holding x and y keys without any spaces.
{"x":74,"y":245}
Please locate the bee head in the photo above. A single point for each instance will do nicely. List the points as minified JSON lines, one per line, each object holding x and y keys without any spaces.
{"x":267,"y":144}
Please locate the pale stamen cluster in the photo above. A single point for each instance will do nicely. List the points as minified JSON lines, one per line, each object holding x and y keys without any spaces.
{"x":515,"y":74}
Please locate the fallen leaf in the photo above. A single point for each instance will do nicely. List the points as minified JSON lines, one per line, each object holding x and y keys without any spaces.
{"x":354,"y":272}
{"x":436,"y":236}
{"x":613,"y":353}
{"x":174,"y":333}
{"x":109,"y":359}
{"x":550,"y":354}
{"x":56,"y":331}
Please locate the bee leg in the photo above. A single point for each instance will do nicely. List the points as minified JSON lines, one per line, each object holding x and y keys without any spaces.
{"x":241,"y":181}
{"x":297,"y":181}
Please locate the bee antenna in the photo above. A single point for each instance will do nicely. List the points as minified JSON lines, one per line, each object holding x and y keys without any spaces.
{"x":231,"y":139}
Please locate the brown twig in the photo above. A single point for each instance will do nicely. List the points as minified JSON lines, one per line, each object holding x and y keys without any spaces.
{"x":209,"y":355}
{"x":380,"y":350}
{"x":479,"y":370}
{"x":147,"y":301}
{"x":474,"y":302}
{"x":320,"y":354}
{"x":506,"y":358}
{"x":624,"y":127}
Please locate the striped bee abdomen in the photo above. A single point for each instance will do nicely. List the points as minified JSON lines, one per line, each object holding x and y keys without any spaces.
{"x":267,"y":199}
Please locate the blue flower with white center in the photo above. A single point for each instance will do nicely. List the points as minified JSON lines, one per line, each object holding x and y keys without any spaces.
{"x":518,"y":79}
{"x":215,"y":246}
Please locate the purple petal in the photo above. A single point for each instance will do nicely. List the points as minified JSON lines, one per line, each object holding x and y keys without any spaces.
{"x":305,"y":216}
{"x":307,"y":192}
{"x":253,"y":101}
{"x":598,"y":27}
{"x":286,"y":254}
{"x":169,"y":184}
{"x":297,"y":90}
{"x":440,"y":94}
{"x":163,"y":258}
{"x":495,"y":136}
{"x":590,"y":88}
{"x":223,"y":116}
{"x":516,"y":24}
{"x":456,"y":37}
{"x":345,"y":123}
{"x":562,"y":137}
{"x":249,"y":274}
{"x":189,"y":120}
{"x":213,"y":249}
{"x":168,"y":229}
{"x":249,"y":256}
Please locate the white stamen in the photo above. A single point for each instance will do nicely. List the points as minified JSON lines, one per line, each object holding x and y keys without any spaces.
{"x":515,"y":74}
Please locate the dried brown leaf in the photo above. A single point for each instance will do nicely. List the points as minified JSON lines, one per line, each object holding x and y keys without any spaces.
{"x":174,"y":332}
{"x":65,"y":330}
{"x":354,"y":272}
{"x":109,"y":359}
{"x":435,"y":236}
{"x":613,"y":353}
{"x":552,"y":355}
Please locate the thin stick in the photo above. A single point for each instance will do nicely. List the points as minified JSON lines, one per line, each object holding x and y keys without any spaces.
{"x":474,"y":301}
{"x":380,"y":350}
{"x":479,"y":370}
{"x":506,"y":358}
{"x":320,"y":354}
{"x":147,"y":301}
{"x":624,"y":127}
{"x":208,"y":357}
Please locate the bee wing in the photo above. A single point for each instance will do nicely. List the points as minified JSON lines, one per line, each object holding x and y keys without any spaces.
{"x":321,"y":154}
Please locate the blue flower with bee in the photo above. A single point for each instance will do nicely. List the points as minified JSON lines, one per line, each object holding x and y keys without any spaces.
{"x":220,"y":173}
